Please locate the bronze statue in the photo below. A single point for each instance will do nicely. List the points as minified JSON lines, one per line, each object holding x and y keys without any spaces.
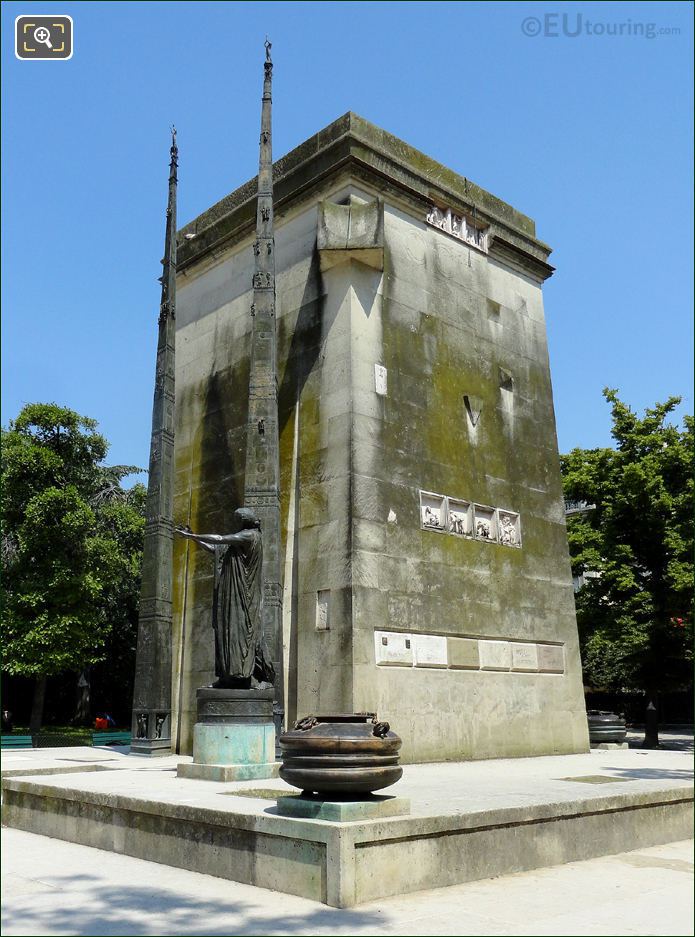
{"x":240,"y":656}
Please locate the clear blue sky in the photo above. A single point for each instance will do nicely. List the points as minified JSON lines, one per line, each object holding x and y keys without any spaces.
{"x":590,"y":135}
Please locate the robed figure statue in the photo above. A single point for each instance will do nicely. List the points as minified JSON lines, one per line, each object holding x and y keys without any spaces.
{"x":240,"y":656}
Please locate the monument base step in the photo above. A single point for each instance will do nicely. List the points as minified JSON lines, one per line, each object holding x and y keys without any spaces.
{"x":227,"y":772}
{"x":467,"y":821}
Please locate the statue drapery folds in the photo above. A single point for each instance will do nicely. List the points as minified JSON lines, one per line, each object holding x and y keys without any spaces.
{"x":241,"y":659}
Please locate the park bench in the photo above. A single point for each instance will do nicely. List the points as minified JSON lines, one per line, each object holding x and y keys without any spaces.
{"x":111,"y":738}
{"x":16,"y":741}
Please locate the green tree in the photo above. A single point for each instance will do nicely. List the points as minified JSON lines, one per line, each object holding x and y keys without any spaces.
{"x":70,"y":548}
{"x":635,"y":612}
{"x":120,"y":515}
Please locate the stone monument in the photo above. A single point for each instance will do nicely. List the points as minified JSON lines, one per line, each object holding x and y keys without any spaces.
{"x":423,"y":541}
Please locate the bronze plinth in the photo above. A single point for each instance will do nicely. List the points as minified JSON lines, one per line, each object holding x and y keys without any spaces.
{"x":340,"y":754}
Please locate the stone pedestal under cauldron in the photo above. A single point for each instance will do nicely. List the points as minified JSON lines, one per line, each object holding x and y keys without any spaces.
{"x":234,"y":736}
{"x":338,"y":761}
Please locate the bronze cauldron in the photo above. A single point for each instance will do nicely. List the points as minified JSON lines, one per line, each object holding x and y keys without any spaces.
{"x":342,"y":753}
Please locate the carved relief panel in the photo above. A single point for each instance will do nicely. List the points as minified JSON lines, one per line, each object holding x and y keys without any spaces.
{"x":459,"y":518}
{"x":484,"y":523}
{"x":459,"y":226}
{"x":508,"y":528}
{"x":432,"y":511}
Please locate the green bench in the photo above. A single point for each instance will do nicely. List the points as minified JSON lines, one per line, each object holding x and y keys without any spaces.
{"x":111,"y":738}
{"x":16,"y":741}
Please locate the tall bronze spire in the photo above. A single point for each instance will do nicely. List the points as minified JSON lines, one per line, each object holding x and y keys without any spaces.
{"x":262,"y":488}
{"x":152,"y":696}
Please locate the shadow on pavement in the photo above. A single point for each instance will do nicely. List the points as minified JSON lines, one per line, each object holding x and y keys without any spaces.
{"x":88,"y":908}
{"x":652,"y":774}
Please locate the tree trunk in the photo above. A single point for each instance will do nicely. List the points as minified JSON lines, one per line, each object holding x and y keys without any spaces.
{"x":651,"y":723}
{"x":37,"y":705}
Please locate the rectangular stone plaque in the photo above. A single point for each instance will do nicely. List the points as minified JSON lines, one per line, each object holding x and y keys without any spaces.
{"x":430,"y":650}
{"x":463,"y":653}
{"x":393,"y":649}
{"x":323,"y":601}
{"x":495,"y":655}
{"x":525,"y":657}
{"x":380,"y":379}
{"x":551,"y":658}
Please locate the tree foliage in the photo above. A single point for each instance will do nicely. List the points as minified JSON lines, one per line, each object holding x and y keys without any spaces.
{"x":71,"y":544}
{"x":635,"y":613}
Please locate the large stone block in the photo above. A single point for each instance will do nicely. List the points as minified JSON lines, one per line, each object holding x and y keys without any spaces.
{"x":376,"y":363}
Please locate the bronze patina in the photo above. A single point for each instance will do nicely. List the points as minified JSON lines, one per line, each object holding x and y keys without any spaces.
{"x":240,"y":654}
{"x":340,"y":754}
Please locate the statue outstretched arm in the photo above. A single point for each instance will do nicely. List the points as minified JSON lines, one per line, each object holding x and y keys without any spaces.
{"x":188,"y":533}
{"x":206,"y":540}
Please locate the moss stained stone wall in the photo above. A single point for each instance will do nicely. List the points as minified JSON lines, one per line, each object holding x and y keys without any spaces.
{"x":450,"y":320}
{"x":444,"y":319}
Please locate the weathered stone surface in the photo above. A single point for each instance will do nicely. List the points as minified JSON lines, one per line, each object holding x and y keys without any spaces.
{"x":430,"y":650}
{"x":224,"y":772}
{"x":352,"y":231}
{"x":524,"y":657}
{"x":463,"y":653}
{"x":392,"y":649}
{"x":495,"y":655}
{"x":551,"y":658}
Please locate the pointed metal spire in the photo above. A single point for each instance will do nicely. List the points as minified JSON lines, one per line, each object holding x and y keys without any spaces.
{"x":151,"y":727}
{"x":262,"y":486}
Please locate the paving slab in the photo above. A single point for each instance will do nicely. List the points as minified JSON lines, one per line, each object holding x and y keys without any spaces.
{"x":71,"y":759}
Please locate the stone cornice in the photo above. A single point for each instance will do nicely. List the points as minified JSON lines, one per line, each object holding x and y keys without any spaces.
{"x":352,"y":145}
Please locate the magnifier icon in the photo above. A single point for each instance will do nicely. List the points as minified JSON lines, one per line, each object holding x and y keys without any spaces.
{"x":42,"y":34}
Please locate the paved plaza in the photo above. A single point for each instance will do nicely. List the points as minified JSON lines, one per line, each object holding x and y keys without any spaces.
{"x":53,"y":887}
{"x":56,"y":887}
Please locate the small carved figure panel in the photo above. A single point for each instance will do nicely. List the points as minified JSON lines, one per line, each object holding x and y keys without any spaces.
{"x":509,"y":529}
{"x":432,"y":511}
{"x":438,"y":217}
{"x":459,"y":226}
{"x":261,"y":280}
{"x":459,"y":518}
{"x":485,"y":525}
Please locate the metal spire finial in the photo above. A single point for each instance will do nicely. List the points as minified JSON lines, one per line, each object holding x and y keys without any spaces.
{"x":174,"y":151}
